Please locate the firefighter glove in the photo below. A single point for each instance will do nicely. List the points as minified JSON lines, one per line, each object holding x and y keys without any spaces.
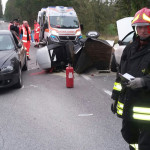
{"x":136,"y":83}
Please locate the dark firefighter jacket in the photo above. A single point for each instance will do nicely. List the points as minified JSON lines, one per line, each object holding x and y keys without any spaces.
{"x":135,"y":61}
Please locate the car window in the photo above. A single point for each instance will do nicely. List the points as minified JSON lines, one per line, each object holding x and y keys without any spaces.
{"x":6,"y":42}
{"x":128,"y":38}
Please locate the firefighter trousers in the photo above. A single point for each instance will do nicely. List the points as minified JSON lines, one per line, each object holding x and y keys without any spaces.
{"x":136,"y":133}
{"x":36,"y":37}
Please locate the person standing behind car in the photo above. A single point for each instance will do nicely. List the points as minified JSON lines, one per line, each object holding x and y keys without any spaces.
{"x":26,"y":37}
{"x":14,"y":26}
{"x":36,"y":33}
{"x":132,"y":98}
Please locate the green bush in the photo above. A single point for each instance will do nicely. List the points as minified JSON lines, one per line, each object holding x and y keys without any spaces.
{"x":111,"y":30}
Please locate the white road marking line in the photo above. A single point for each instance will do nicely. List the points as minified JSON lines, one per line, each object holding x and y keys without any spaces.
{"x":85,"y":115}
{"x":86,"y":77}
{"x":22,"y":87}
{"x":107,"y":92}
{"x":33,"y":68}
{"x":35,"y":86}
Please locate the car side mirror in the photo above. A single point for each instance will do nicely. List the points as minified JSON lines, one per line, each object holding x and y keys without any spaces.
{"x":92,"y":34}
{"x":19,"y":45}
{"x":120,"y":42}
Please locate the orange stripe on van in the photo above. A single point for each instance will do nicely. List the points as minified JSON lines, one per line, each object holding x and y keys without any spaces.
{"x":46,"y":30}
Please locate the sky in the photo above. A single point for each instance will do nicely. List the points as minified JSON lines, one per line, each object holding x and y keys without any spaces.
{"x":4,"y":4}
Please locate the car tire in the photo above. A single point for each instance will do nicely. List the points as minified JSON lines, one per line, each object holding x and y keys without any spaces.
{"x":113,"y":64}
{"x":25,"y":67}
{"x":19,"y":83}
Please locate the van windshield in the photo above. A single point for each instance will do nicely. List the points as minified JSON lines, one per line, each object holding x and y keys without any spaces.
{"x":64,"y":22}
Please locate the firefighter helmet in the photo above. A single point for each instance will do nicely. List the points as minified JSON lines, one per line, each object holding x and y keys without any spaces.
{"x":142,"y":17}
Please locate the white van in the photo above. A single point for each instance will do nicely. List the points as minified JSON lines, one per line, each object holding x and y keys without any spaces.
{"x":59,"y":24}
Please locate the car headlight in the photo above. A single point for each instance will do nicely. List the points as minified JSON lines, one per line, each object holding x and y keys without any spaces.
{"x":54,"y":33}
{"x":80,"y":37}
{"x":7,"y":69}
{"x":54,"y":38}
{"x":78,"y":33}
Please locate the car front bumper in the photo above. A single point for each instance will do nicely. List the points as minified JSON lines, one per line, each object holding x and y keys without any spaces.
{"x":8,"y":79}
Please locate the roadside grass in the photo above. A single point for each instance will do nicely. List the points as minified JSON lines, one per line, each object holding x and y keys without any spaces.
{"x":109,"y":37}
{"x":109,"y":33}
{"x":106,"y":37}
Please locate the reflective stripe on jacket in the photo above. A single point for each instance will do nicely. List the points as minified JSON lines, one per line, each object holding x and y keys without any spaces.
{"x":117,"y":86}
{"x":135,"y":146}
{"x":24,"y":37}
{"x":141,"y":113}
{"x":120,"y":108}
{"x":36,"y":28}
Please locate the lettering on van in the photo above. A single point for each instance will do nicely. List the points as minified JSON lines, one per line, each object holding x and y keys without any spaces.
{"x":66,"y":32}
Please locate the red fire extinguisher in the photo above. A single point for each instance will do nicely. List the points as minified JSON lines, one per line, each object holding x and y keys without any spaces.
{"x":69,"y":77}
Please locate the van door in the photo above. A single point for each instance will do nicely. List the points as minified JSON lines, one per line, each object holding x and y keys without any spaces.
{"x":42,"y":26}
{"x":46,"y":28}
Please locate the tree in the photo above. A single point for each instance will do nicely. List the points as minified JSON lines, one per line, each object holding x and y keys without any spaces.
{"x":126,"y":8}
{"x":1,"y":13}
{"x":11,"y":11}
{"x":137,"y":5}
{"x":95,"y":14}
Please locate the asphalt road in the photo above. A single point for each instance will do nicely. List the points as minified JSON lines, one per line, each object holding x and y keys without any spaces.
{"x":45,"y":115}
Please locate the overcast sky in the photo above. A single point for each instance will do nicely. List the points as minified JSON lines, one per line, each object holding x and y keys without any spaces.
{"x":3,"y":4}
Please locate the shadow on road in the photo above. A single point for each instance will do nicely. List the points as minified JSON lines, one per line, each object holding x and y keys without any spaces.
{"x":4,"y":91}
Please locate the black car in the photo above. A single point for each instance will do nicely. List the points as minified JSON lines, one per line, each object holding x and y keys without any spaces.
{"x":12,"y":59}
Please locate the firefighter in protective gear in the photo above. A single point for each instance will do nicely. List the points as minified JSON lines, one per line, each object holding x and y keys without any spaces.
{"x":26,"y":37}
{"x":36,"y":33}
{"x":132,"y":99}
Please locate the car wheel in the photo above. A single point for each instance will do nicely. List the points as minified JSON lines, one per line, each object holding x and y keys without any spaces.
{"x":25,"y":67}
{"x":113,"y":64}
{"x":19,"y":83}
